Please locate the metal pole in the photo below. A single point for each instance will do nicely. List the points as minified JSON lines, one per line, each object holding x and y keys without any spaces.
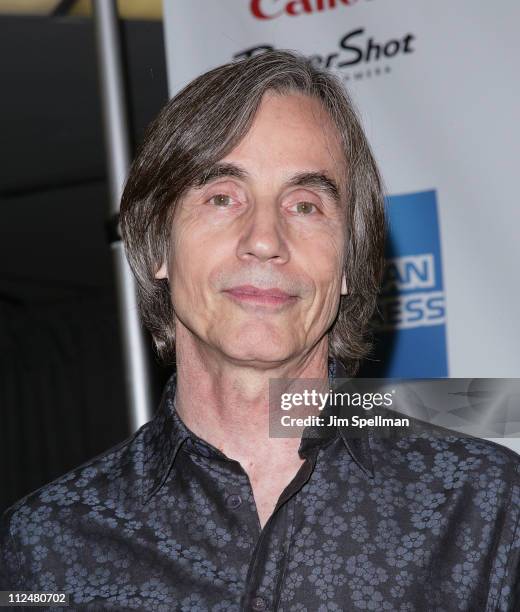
{"x":136,"y":365}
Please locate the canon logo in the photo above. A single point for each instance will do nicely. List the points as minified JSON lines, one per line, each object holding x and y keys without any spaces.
{"x":269,"y":9}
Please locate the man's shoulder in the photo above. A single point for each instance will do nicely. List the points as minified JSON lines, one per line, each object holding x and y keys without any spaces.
{"x":447,"y":455}
{"x":108,"y":479}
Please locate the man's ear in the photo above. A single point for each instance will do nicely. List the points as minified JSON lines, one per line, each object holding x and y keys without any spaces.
{"x":344,"y":284}
{"x":162,"y":272}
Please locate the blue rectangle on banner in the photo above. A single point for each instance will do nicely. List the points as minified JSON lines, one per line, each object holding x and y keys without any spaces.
{"x":411,"y":334}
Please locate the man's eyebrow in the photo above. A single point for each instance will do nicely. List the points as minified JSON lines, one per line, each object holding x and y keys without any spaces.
{"x":315,"y":180}
{"x":220,"y":170}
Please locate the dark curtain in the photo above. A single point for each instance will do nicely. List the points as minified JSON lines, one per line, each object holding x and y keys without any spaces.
{"x":61,"y":389}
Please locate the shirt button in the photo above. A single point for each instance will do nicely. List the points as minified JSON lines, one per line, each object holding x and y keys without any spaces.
{"x":233,"y":501}
{"x":258,"y":604}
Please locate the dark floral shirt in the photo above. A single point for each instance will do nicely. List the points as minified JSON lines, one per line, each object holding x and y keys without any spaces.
{"x":165,"y":521}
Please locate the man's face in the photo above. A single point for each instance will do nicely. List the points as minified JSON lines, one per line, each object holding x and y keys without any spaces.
{"x":256,"y":251}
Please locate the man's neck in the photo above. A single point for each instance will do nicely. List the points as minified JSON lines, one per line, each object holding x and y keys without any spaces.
{"x":226,"y":403}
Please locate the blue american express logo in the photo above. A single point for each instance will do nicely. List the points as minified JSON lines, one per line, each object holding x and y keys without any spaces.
{"x":411,"y":327}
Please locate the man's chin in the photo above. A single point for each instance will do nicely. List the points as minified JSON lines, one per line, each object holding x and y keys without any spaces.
{"x":259,"y":355}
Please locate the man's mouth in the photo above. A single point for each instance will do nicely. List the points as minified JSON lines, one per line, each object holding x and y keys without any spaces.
{"x":254,"y":295}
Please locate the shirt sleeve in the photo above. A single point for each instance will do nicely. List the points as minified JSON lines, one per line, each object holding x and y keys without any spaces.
{"x":10,"y":569}
{"x":509,"y":592}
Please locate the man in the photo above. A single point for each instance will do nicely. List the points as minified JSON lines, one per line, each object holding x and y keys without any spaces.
{"x":253,"y":220}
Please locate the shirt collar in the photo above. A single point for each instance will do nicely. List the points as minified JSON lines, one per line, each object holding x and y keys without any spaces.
{"x":356,"y":441}
{"x":163,"y":439}
{"x":167,"y":432}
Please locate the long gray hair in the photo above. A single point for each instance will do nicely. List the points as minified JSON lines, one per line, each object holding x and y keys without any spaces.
{"x":200,"y":126}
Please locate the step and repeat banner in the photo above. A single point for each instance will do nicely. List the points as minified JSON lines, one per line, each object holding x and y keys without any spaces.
{"x":436,"y":86}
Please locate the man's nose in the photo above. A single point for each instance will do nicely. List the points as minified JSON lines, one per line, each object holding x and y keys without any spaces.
{"x":263,"y":235}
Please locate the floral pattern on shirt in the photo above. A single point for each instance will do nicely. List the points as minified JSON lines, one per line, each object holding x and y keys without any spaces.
{"x":165,"y":521}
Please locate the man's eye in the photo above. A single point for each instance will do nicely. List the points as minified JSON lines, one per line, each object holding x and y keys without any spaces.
{"x":221,"y":199}
{"x":305,"y":208}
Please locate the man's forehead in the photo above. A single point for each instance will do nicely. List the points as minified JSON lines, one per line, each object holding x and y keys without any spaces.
{"x":294,"y":110}
{"x":290,"y":134}
{"x":314,"y":166}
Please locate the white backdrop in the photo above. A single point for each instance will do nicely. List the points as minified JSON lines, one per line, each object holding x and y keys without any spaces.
{"x":440,"y":109}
